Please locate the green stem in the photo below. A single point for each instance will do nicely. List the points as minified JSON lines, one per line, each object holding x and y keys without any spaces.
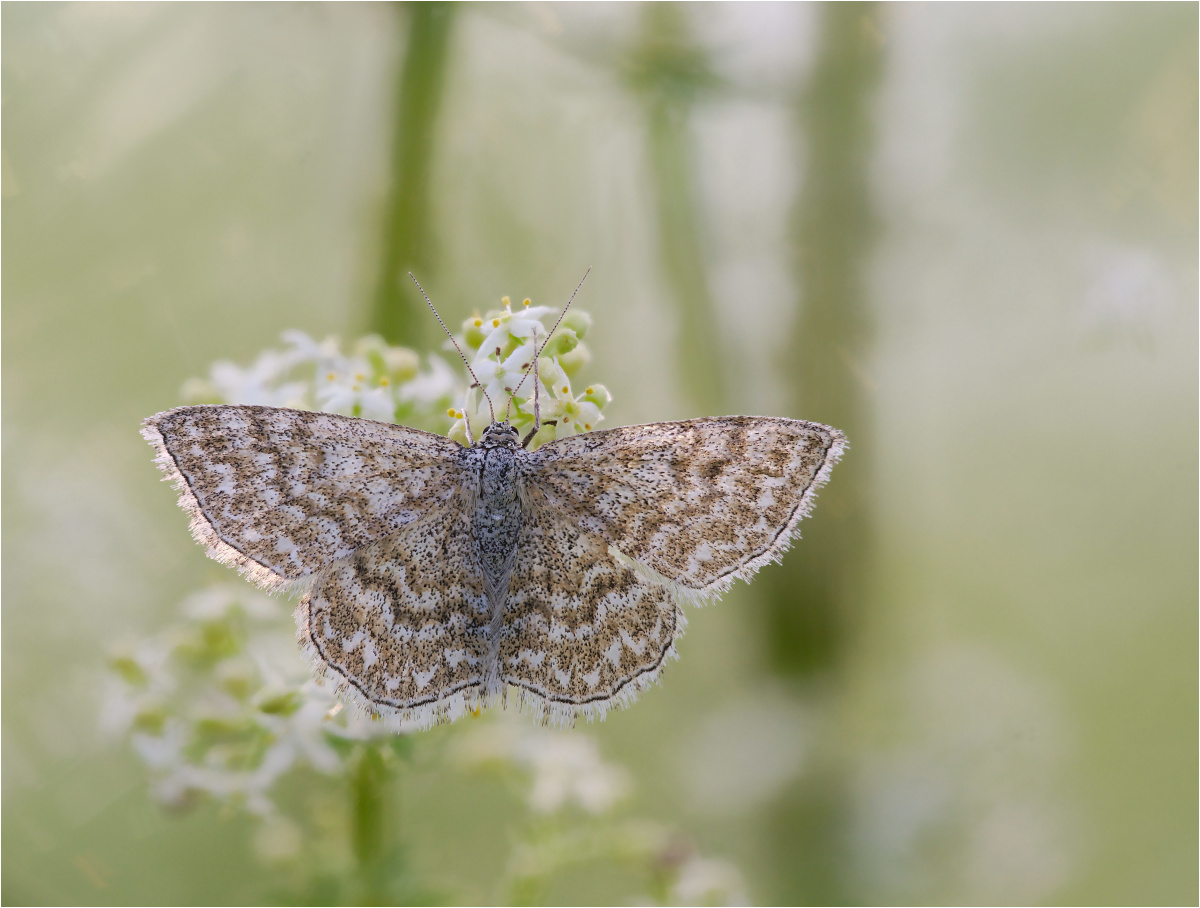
{"x":371,"y":836}
{"x":398,"y":312}
{"x":815,"y":595}
{"x":833,"y":230}
{"x":668,"y":70}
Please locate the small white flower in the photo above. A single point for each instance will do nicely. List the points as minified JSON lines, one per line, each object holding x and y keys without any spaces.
{"x":501,"y":377}
{"x":503,"y":326}
{"x":432,"y":387}
{"x":301,"y":349}
{"x":565,"y":768}
{"x":165,"y":751}
{"x":260,"y":384}
{"x":568,"y":769}
{"x":706,"y":881}
{"x":571,"y":414}
{"x":353,"y":391}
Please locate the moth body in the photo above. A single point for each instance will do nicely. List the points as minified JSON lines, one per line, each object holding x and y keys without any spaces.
{"x":495,"y":528}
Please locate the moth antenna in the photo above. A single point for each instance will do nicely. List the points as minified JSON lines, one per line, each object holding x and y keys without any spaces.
{"x":537,"y":391}
{"x":561,"y":315}
{"x":475,"y":378}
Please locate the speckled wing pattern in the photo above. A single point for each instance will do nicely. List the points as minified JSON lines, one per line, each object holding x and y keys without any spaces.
{"x":374,"y":523}
{"x":695,"y":504}
{"x":401,"y":625}
{"x":280,"y":494}
{"x":582,"y":632}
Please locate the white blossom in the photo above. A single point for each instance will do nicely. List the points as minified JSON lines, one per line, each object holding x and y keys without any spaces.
{"x":565,"y":768}
{"x":708,"y":881}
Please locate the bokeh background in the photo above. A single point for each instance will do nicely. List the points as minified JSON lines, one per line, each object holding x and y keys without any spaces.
{"x":965,"y":234}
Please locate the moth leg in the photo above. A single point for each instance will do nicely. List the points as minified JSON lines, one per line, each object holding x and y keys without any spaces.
{"x":467,"y":419}
{"x":529,"y":437}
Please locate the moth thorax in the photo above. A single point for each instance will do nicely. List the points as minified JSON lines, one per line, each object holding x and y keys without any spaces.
{"x":496,"y":523}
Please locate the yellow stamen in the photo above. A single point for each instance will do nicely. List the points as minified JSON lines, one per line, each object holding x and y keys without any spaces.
{"x":566,"y":390}
{"x":330,"y":377}
{"x":495,"y":323}
{"x":590,"y":390}
{"x":507,"y":302}
{"x":587,"y":427}
{"x":478,"y":322}
{"x":383,"y":382}
{"x":526,"y":302}
{"x":452,"y":412}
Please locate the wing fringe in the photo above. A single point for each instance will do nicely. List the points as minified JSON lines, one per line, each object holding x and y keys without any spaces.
{"x":199,"y":525}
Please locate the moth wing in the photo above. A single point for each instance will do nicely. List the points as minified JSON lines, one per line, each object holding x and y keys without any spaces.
{"x":581,"y":632}
{"x":400,"y":626}
{"x":694,"y":504}
{"x":280,"y":493}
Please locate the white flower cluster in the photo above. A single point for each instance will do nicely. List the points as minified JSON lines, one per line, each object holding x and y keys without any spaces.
{"x":219,"y":704}
{"x":564,"y":767}
{"x":378,"y":381}
{"x":373,"y":380}
{"x":501,"y":345}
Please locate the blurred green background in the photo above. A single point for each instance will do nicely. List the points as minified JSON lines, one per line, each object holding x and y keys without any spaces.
{"x":966,"y":234}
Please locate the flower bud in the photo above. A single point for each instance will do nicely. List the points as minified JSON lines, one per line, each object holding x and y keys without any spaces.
{"x":576,"y":359}
{"x":578,"y":321}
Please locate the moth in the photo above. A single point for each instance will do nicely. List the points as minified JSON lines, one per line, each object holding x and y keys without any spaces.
{"x":437,"y":578}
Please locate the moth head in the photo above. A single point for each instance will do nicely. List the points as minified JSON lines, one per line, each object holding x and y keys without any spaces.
{"x":500,"y":434}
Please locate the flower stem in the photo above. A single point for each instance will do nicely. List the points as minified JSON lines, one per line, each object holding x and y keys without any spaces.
{"x":669,"y":72}
{"x":816,"y":596}
{"x":397,"y":313}
{"x":370,"y":799}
